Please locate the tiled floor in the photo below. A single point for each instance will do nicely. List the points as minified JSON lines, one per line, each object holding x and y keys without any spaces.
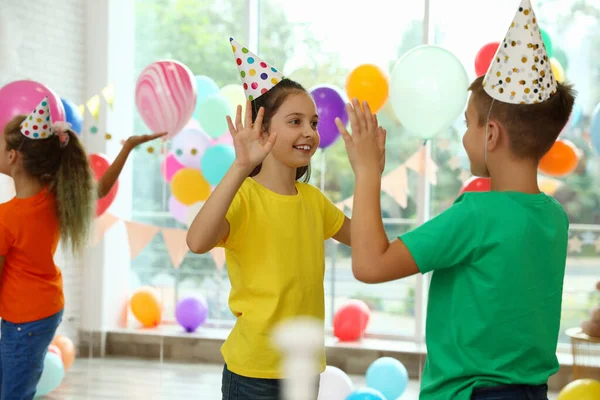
{"x":136,"y":379}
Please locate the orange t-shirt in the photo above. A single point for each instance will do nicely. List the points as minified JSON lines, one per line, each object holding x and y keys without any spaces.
{"x":31,"y":284}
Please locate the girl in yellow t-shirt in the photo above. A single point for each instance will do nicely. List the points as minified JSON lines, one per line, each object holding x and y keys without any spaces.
{"x":272,"y":224}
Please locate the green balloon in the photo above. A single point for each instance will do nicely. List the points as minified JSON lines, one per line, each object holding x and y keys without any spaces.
{"x":562,"y":58}
{"x":547,"y":42}
{"x":212,"y":111}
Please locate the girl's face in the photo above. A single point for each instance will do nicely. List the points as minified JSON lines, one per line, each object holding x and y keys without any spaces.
{"x":296,"y":125}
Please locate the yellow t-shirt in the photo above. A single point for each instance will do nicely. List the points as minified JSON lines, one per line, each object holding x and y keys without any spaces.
{"x":276,"y":261}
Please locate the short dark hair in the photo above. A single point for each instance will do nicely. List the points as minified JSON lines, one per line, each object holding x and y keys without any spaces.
{"x":271,"y":101}
{"x":532,"y":128}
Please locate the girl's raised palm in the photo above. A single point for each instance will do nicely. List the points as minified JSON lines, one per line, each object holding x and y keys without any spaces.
{"x":250,"y":143}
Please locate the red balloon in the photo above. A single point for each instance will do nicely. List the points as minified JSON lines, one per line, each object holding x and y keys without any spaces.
{"x":100,"y":164}
{"x":476,"y":184}
{"x":484,"y":57}
{"x":350,"y":321}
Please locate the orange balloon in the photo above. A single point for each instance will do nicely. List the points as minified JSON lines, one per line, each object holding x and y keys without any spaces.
{"x":189,"y":186}
{"x":561,"y":160}
{"x":368,"y":83}
{"x":146,"y":308}
{"x":67,"y":349}
{"x":56,"y":350}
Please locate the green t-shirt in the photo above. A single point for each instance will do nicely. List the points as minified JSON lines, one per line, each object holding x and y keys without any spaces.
{"x":495,"y":297}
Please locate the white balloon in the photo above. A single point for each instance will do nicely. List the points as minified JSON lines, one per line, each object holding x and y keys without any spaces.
{"x":335,"y":384}
{"x":192,"y":211}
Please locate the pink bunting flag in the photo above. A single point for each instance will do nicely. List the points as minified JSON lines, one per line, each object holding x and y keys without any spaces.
{"x":139,"y":236}
{"x":218,"y":255}
{"x":176,"y":245}
{"x":395,"y":184}
{"x":102,"y":225}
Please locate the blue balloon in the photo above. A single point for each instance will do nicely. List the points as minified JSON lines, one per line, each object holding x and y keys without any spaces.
{"x":72,"y":115}
{"x":595,"y":129}
{"x":366,"y":394}
{"x":52,"y":375}
{"x":389,"y":376}
{"x":216,"y":161}
{"x":204,"y":87}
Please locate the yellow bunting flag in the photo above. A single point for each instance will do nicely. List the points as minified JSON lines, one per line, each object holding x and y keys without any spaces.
{"x":81,"y":108}
{"x":93,"y":104}
{"x":109,"y":95}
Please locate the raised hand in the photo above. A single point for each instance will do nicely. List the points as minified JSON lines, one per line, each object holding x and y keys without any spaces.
{"x":250,"y":143}
{"x":136,"y":140}
{"x":366,"y":145}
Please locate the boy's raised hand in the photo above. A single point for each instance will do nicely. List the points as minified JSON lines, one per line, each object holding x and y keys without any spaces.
{"x":250,"y":143}
{"x":366,"y":145}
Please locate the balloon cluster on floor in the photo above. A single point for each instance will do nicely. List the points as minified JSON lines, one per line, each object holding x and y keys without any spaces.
{"x":59,"y":358}
{"x":190,"y":312}
{"x":386,"y":379}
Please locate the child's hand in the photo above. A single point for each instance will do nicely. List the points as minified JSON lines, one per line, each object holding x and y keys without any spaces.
{"x":366,"y":145}
{"x":135,"y":141}
{"x":251,"y":144}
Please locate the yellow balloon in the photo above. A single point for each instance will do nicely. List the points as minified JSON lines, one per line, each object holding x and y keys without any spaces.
{"x":146,"y":308}
{"x":549,"y":186}
{"x":581,"y":389}
{"x":189,"y":186}
{"x":235,"y":96}
{"x":557,"y":70}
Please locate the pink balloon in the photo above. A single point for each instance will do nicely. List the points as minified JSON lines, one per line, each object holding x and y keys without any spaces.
{"x":178,"y":210}
{"x":170,"y":166}
{"x":22,"y":97}
{"x":223,"y":139}
{"x":165,"y":96}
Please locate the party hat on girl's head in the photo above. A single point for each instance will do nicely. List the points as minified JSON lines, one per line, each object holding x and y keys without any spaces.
{"x":37,"y":125}
{"x":521,"y":72}
{"x":258,"y":77}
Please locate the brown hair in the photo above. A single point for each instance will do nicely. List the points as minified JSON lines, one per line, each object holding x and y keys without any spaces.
{"x":271,"y":101}
{"x":532,"y":128}
{"x":67,"y":174}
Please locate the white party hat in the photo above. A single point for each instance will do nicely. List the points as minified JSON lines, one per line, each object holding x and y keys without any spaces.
{"x":38,"y":125}
{"x":521,"y":72}
{"x":257,"y":76}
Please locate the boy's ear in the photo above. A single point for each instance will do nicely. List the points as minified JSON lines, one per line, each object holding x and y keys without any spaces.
{"x":494,"y":132}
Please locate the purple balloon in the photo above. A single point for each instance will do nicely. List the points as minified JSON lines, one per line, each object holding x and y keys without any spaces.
{"x":191,"y":312}
{"x":330,"y":105}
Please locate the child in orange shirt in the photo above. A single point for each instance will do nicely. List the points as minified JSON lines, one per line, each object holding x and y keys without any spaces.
{"x":55,"y":198}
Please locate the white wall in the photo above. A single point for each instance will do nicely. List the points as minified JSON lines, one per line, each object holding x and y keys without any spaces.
{"x":50,"y":44}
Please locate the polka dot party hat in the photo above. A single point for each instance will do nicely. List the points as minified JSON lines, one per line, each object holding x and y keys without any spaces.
{"x":258,"y":77}
{"x":37,"y":125}
{"x":521,"y":72}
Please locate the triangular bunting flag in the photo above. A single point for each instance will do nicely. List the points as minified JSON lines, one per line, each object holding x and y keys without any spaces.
{"x":101,"y":225}
{"x":395,"y":184}
{"x":218,"y":255}
{"x":93,"y":104}
{"x":139,"y":236}
{"x":416,"y":162}
{"x":109,"y":95}
{"x":176,"y":245}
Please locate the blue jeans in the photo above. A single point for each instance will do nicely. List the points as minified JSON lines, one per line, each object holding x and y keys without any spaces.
{"x":23,"y":348}
{"x":511,"y":392}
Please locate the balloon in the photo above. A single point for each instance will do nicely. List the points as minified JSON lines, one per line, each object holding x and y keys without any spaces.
{"x":557,"y":70}
{"x":581,"y":389}
{"x":389,"y":376}
{"x":189,"y":146}
{"x":216,"y":162}
{"x":170,"y":166}
{"x":429,"y":90}
{"x":204,"y":88}
{"x":146,"y":308}
{"x":178,"y":210}
{"x":562,"y":58}
{"x":350,"y":321}
{"x":335,"y":384}
{"x":368,"y":83}
{"x":561,"y":160}
{"x":192,"y":211}
{"x":484,"y":57}
{"x":55,"y":349}
{"x":99,"y":164}
{"x":72,"y":115}
{"x":476,"y":184}
{"x":235,"y":95}
{"x":52,"y":375}
{"x":22,"y":97}
{"x":165,"y":96}
{"x":225,"y":138}
{"x":549,"y":186}
{"x":330,"y":105}
{"x":366,"y":394}
{"x":189,"y":186}
{"x":67,"y":350}
{"x":547,"y":42}
{"x":211,"y":114}
{"x":576,"y":115}
{"x":595,"y":128}
{"x":191,"y":313}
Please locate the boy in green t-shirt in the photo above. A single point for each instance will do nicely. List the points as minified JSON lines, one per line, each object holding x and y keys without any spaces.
{"x":498,"y":258}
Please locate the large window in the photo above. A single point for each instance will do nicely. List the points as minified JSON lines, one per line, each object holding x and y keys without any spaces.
{"x":320,"y":42}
